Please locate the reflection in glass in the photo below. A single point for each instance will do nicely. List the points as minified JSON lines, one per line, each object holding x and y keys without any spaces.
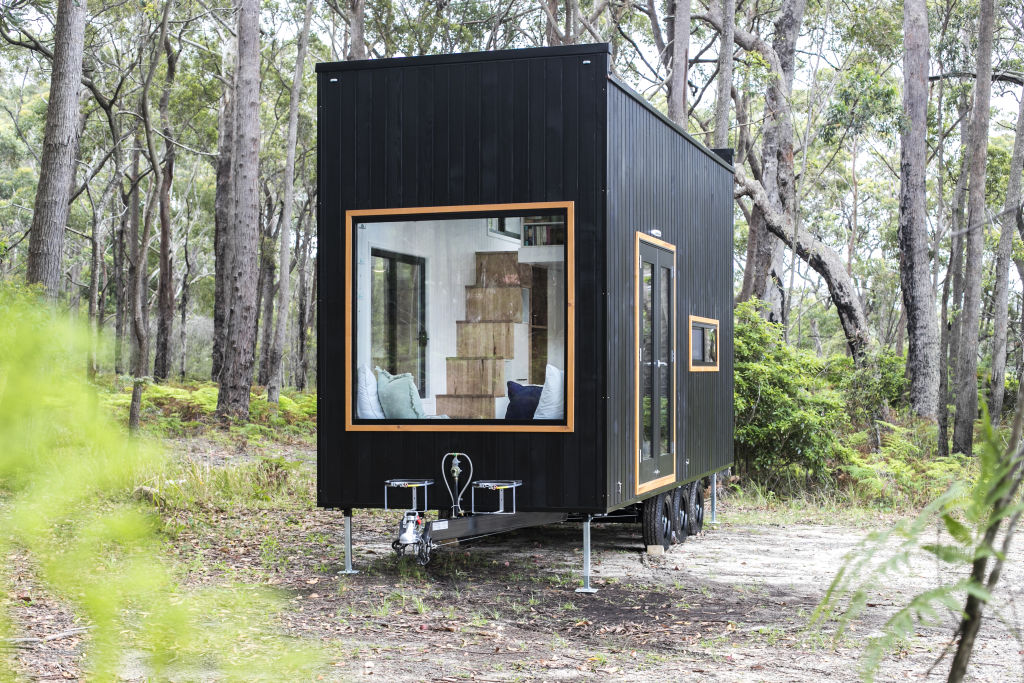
{"x":665,"y":364}
{"x":646,"y":360}
{"x":465,"y":306}
{"x":398,"y":332}
{"x":704,"y":343}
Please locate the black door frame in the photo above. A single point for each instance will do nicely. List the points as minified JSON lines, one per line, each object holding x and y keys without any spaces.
{"x":392,"y":313}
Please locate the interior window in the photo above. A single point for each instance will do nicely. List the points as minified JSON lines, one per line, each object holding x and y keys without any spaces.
{"x":461,"y":317}
{"x":703,"y":343}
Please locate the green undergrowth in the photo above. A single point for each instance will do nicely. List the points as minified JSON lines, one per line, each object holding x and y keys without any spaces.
{"x":70,"y":510}
{"x":264,"y":483}
{"x":188,"y":409}
{"x":902,"y":475}
{"x":823,"y":433}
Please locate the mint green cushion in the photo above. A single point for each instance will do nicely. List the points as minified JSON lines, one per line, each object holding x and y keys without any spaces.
{"x":398,"y":396}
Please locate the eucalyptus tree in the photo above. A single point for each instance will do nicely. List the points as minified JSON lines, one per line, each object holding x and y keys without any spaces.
{"x":288,"y":200}
{"x":1010,"y":218}
{"x":165,"y":290}
{"x":977,"y":147}
{"x":725,"y":70}
{"x":915,"y":269}
{"x":240,"y":239}
{"x":770,"y":185}
{"x":60,"y":147}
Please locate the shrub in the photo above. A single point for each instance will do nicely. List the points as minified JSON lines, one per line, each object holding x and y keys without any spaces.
{"x":788,"y":419}
{"x":871,"y":390}
{"x":66,"y":478}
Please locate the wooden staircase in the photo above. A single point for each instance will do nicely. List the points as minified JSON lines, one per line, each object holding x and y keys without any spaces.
{"x":484,"y":340}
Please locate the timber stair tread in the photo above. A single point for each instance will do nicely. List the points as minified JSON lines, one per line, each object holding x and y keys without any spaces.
{"x":485,"y":338}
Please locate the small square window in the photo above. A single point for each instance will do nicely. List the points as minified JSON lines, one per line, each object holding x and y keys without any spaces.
{"x":703,"y":344}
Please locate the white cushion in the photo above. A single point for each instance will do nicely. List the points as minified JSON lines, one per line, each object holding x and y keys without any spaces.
{"x":368,"y":405}
{"x":551,"y":405}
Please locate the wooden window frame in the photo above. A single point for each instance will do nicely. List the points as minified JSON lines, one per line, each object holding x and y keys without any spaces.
{"x":668,"y":478}
{"x":416,"y":213}
{"x":704,"y":322}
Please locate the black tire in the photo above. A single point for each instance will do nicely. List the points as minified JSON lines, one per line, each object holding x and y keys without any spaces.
{"x":680,"y":514}
{"x":657,"y":520}
{"x":696,"y":508}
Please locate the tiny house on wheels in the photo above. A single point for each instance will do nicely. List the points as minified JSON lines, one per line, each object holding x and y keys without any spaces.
{"x":525,"y":298}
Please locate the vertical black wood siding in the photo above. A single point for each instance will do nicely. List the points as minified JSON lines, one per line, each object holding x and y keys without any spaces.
{"x":528,"y":126}
{"x":516,"y":126}
{"x":660,"y":178}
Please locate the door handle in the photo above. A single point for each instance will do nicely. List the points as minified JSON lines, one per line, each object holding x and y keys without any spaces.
{"x":662,"y":364}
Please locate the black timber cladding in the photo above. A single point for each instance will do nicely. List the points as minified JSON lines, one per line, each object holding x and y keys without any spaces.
{"x":660,"y":178}
{"x":502,"y":127}
{"x":528,"y":126}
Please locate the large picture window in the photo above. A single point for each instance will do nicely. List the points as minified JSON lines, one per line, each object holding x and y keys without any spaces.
{"x":461,"y":318}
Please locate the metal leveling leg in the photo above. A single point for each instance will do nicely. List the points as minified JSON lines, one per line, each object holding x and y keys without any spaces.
{"x":586,"y":558}
{"x":348,"y":544}
{"x":714,"y":498}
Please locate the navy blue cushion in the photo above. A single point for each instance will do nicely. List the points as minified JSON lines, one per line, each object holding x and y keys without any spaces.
{"x":522,"y":401}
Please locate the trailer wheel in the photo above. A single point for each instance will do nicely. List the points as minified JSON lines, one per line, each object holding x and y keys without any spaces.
{"x":680,"y":513}
{"x":696,"y":508}
{"x":657,"y":520}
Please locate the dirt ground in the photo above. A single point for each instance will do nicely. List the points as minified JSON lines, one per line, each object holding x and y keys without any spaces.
{"x":732,"y":604}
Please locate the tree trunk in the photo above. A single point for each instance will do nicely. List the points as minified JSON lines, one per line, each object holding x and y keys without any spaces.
{"x":1008,"y":225}
{"x":95,"y":264}
{"x":165,"y":289}
{"x":265,"y":301}
{"x":956,"y":276}
{"x":551,"y":33}
{"x":823,"y":260}
{"x":357,"y":30}
{"x":185,"y":281}
{"x":679,"y":47}
{"x":303,"y":360}
{"x":915,"y":268}
{"x":119,"y":288}
{"x":851,"y":246}
{"x":777,"y":163}
{"x":241,"y":242}
{"x":967,"y":365}
{"x":223,"y":207}
{"x":275,"y":375}
{"x":60,"y":146}
{"x":135,"y":264}
{"x":724,"y":86}
{"x":140,"y":282}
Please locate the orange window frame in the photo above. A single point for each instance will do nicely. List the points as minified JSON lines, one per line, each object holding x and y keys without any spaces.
{"x":351,"y":218}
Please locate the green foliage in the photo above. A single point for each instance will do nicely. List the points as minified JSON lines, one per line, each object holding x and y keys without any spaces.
{"x":905,"y":472}
{"x":879,"y":382}
{"x":65,"y":477}
{"x":965,"y":512}
{"x":187,"y":409}
{"x":865,"y":101}
{"x":788,"y":420}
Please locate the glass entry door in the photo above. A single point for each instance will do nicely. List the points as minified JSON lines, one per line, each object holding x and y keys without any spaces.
{"x":656,"y":369}
{"x":399,"y":334}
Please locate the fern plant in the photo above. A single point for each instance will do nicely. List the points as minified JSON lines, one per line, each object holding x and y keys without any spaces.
{"x":972,"y":515}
